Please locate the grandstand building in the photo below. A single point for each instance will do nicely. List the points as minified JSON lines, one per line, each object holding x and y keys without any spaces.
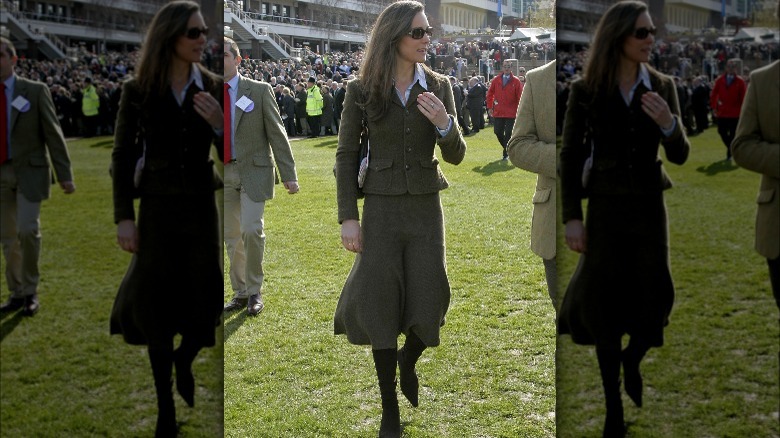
{"x":55,"y":29}
{"x":577,"y":19}
{"x":283,"y":29}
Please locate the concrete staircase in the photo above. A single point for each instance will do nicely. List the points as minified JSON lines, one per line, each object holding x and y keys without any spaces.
{"x":48,"y":44}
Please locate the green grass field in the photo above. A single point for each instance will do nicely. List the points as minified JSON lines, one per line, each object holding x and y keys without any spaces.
{"x":287,"y":375}
{"x":717,"y":374}
{"x":61,"y":374}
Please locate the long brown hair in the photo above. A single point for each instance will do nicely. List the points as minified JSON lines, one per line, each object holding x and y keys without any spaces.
{"x":168,"y":24}
{"x":615,"y":26}
{"x":379,"y":62}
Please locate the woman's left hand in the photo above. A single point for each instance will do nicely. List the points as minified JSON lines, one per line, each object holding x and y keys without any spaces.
{"x":656,"y":107}
{"x":209,"y":109}
{"x":433,"y":108}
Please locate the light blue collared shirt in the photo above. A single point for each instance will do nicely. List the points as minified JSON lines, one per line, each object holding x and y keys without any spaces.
{"x":419,"y":76}
{"x":644,"y":78}
{"x":195,"y":77}
{"x":9,"y":93}
{"x":233,"y":93}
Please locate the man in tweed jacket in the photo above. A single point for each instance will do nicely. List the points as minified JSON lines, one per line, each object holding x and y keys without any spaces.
{"x":257,"y":130}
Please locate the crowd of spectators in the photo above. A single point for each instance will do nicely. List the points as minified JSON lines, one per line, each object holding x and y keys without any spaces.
{"x":695,"y":64}
{"x":69,"y":78}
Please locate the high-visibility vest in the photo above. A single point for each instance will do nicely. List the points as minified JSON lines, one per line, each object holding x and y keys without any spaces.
{"x":313,"y":101}
{"x":90,"y":102}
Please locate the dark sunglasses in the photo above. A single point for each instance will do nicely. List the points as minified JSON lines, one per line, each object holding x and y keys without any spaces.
{"x":419,"y":32}
{"x":642,"y":32}
{"x":193,"y":33}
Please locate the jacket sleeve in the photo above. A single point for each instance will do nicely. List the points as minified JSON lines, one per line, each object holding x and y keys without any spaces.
{"x":751,"y":150}
{"x":55,"y":140}
{"x":525,"y":149}
{"x":453,"y":146}
{"x":574,"y":152}
{"x":677,"y":145}
{"x":125,"y":153}
{"x":489,"y":96}
{"x":277,"y":136}
{"x":347,"y":154}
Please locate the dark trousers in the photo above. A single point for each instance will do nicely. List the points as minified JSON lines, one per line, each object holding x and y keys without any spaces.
{"x":477,"y":118}
{"x":289,"y":125}
{"x":314,"y":125}
{"x":702,"y":122}
{"x":727,"y":128}
{"x":774,"y":278}
{"x":503,"y":129}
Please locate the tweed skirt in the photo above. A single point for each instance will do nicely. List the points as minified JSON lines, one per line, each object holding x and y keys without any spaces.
{"x":399,"y":282}
{"x":174,"y":283}
{"x":623,"y":284}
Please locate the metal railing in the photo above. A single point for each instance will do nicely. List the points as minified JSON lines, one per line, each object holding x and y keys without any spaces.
{"x":253,"y":24}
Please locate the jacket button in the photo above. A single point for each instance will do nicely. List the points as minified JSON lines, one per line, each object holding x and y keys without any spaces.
{"x":408,"y":131}
{"x":407,"y":167}
{"x":408,"y":149}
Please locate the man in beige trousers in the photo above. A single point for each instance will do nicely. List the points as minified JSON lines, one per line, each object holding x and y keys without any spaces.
{"x":532,"y":148}
{"x":31,"y":140}
{"x":255,"y":130}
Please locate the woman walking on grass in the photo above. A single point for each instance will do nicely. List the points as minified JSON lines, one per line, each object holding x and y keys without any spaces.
{"x":621,"y":110}
{"x":174,"y":284}
{"x":398,"y":283}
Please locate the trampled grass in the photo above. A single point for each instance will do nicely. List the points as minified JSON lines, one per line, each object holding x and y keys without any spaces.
{"x":287,"y":375}
{"x":61,"y":374}
{"x":717,"y":374}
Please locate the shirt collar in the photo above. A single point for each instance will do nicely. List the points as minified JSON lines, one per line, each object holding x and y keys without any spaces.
{"x":10,"y":82}
{"x":643,"y":77}
{"x":419,"y":76}
{"x":196,"y":77}
{"x":233,"y":82}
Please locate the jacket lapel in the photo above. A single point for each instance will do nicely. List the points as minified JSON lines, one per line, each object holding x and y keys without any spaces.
{"x":243,"y":90}
{"x":20,"y":89}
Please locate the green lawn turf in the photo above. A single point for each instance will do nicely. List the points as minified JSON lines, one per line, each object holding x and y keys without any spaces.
{"x":287,"y":375}
{"x":61,"y":374}
{"x":717,"y":374}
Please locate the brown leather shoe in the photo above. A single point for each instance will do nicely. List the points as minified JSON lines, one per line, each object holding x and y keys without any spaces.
{"x":31,"y":305}
{"x":12,"y":304}
{"x":254,"y":305}
{"x":235,"y":304}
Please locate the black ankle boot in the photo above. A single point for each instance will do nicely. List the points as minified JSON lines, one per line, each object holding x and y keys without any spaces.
{"x":410,"y":384}
{"x":162,"y":364}
{"x":390,"y":427}
{"x":609,"y":366}
{"x":407,"y":359}
{"x":631,"y":358}
{"x":385,"y":363}
{"x":185,"y":381}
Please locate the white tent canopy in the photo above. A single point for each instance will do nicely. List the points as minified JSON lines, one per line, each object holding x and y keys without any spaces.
{"x":548,"y":35}
{"x":757,"y":34}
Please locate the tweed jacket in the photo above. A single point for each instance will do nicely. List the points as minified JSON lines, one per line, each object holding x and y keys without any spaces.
{"x":178,"y":145}
{"x":625,"y":139}
{"x":756,"y":147}
{"x":402,"y":158}
{"x":532,"y":148}
{"x":260,"y":141}
{"x":37,"y":140}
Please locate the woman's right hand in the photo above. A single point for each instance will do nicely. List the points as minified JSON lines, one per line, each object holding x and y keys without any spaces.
{"x":350,"y":236}
{"x":127,"y":235}
{"x":576,"y":236}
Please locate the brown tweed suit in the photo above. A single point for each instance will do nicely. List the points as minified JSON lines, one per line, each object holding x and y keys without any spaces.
{"x":399,"y":282}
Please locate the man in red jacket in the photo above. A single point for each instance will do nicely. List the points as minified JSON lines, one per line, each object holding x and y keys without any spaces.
{"x":503,"y":96}
{"x":726,"y":102}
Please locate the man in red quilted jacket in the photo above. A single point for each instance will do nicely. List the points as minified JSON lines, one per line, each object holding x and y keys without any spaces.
{"x":726,"y":102}
{"x":503,"y":96}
